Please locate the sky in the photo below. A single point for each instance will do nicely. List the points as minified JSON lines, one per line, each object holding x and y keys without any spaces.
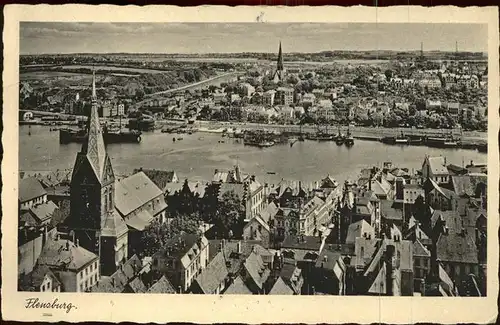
{"x":188,"y":38}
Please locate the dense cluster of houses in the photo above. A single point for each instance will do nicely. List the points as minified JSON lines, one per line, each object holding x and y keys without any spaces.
{"x":284,"y":95}
{"x":363,"y":237}
{"x":289,"y":100}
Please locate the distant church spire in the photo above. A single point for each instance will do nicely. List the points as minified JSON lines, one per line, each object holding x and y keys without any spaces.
{"x":279,"y":75}
{"x":94,"y":147}
{"x":280,"y":59}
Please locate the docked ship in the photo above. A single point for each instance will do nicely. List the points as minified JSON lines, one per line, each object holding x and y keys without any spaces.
{"x":400,"y":139}
{"x":265,"y":144}
{"x":340,"y":138}
{"x":259,"y":139}
{"x":442,"y":142}
{"x":143,"y":123}
{"x":483,"y":147}
{"x":325,"y":137}
{"x":349,"y":139}
{"x":68,"y":135}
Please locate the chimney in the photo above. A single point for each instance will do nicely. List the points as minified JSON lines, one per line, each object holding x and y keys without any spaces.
{"x":67,"y":245}
{"x":238,"y":246}
{"x":77,"y":242}
{"x":325,"y":258}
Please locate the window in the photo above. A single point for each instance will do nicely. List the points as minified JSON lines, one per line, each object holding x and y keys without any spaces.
{"x":110,"y":200}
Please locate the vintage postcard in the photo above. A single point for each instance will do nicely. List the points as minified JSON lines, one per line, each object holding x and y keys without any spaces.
{"x":250,"y":164}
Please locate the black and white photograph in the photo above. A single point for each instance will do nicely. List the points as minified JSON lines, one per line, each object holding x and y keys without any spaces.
{"x":239,"y":158}
{"x":236,"y":159}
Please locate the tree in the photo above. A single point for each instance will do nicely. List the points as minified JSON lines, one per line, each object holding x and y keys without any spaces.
{"x":377,"y":118}
{"x":139,"y":94}
{"x":388,"y":74}
{"x":183,"y":201}
{"x":157,"y":234}
{"x":363,"y":118}
{"x":229,"y":215}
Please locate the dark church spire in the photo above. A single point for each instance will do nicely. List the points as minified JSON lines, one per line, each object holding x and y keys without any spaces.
{"x":94,"y":147}
{"x":280,"y":59}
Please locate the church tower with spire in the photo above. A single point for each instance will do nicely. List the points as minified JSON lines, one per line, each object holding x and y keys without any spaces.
{"x":279,"y":75}
{"x":93,"y":219}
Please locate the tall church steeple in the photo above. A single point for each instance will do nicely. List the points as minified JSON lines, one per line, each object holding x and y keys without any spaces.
{"x":279,"y":75}
{"x":94,"y":147}
{"x":93,"y":218}
{"x":280,"y":59}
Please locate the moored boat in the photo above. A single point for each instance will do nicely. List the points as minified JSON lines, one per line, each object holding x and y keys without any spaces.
{"x":266,"y":144}
{"x":483,"y":147}
{"x":68,"y":135}
{"x":349,"y":140}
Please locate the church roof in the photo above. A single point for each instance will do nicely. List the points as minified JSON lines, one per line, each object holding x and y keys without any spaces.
{"x":135,"y":191}
{"x":113,"y":225}
{"x":93,"y":147}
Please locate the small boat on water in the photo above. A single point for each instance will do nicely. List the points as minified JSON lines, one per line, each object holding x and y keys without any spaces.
{"x":271,"y":173}
{"x":451,"y":144}
{"x":482,"y":147}
{"x":349,"y":139}
{"x":415,"y":141}
{"x":179,"y":139}
{"x":442,"y":142}
{"x":340,"y":138}
{"x":266,"y":144}
{"x":325,"y":137}
{"x":402,"y":139}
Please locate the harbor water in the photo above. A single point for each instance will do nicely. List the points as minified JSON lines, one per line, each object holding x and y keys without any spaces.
{"x":198,"y":155}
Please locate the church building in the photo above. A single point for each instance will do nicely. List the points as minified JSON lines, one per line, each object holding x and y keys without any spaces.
{"x":93,"y":218}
